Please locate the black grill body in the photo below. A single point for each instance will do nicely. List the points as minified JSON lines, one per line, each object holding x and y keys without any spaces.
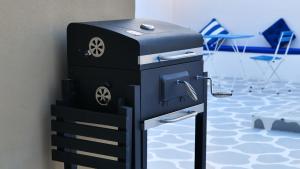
{"x":139,"y":64}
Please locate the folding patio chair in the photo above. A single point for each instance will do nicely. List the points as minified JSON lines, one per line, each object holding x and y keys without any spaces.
{"x":274,"y":61}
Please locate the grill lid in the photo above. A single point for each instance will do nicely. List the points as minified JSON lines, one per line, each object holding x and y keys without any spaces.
{"x":102,"y":43}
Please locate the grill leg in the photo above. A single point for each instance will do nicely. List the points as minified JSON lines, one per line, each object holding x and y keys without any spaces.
{"x":144,"y":159}
{"x":137,"y":150}
{"x":200,"y":143}
{"x":200,"y":135}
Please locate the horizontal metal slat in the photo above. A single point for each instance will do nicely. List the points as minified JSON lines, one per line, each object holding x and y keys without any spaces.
{"x":86,"y":161}
{"x":88,"y":131}
{"x":89,"y":146}
{"x":74,"y":114}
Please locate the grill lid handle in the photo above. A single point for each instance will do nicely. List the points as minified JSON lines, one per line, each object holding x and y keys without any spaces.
{"x":174,"y":57}
{"x":147,"y":27}
{"x":189,"y":89}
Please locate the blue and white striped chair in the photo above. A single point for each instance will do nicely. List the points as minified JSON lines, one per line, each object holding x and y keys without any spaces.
{"x":213,"y":28}
{"x":274,"y":61}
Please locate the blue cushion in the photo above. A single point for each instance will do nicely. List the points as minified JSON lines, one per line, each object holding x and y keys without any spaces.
{"x":213,"y":28}
{"x":273,"y":33}
{"x":264,"y":58}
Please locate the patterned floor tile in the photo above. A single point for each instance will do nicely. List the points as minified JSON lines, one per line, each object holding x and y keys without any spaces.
{"x":232,"y":143}
{"x":270,"y":158}
{"x":229,"y":157}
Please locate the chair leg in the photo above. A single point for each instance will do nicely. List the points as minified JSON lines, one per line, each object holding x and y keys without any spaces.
{"x":267,"y":81}
{"x":277,"y":76}
{"x":218,"y":75}
{"x":219,"y":43}
{"x":274,"y":73}
{"x":210,"y":59}
{"x":236,"y":51}
{"x":263,"y":73}
{"x":281,"y":83}
{"x":240,"y":55}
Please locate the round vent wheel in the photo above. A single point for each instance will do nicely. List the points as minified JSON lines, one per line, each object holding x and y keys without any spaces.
{"x":103,"y":95}
{"x":96,"y":47}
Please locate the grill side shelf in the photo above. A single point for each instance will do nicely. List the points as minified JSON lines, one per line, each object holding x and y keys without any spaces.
{"x":92,"y":139}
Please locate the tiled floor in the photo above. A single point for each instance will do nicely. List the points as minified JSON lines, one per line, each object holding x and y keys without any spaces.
{"x":232,"y":143}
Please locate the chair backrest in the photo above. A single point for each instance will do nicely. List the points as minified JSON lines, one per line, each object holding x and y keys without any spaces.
{"x":285,"y":37}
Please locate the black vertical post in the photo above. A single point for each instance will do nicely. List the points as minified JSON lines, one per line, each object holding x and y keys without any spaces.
{"x":69,"y":166}
{"x":200,"y":133}
{"x":128,"y":158}
{"x":137,"y":148}
{"x":144,"y":146}
{"x":67,"y":97}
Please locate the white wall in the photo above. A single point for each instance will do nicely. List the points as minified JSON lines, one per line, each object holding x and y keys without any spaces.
{"x":155,"y":9}
{"x":227,"y":64}
{"x":32,"y":63}
{"x":238,"y":16}
{"x":242,"y":17}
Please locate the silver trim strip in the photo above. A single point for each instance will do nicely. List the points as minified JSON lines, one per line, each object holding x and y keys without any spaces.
{"x":153,"y":58}
{"x":179,"y":114}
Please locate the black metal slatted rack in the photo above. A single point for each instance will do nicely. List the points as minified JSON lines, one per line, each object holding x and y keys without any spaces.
{"x":72,"y":124}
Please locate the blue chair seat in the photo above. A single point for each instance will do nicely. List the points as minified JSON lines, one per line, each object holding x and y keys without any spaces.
{"x":266,"y":58}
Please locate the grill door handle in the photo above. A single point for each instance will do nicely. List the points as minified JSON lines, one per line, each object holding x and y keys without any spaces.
{"x":174,"y":57}
{"x":189,"y":115}
{"x":189,"y":89}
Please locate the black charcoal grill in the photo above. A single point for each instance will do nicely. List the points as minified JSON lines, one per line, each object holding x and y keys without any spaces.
{"x":125,"y":77}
